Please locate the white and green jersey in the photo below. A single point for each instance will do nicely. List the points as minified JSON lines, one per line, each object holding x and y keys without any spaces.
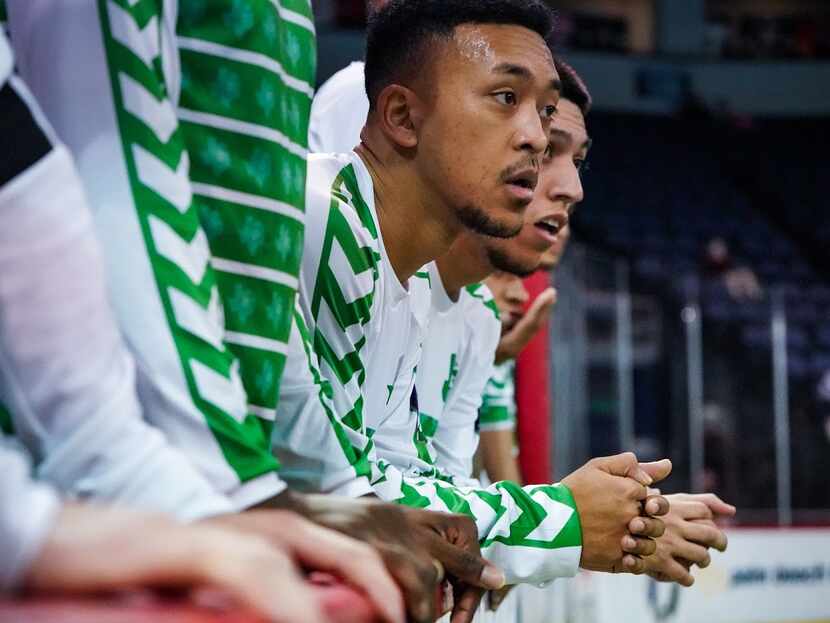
{"x":456,"y":363}
{"x":358,"y":318}
{"x":188,"y":121}
{"x":348,"y":416}
{"x":498,"y":406}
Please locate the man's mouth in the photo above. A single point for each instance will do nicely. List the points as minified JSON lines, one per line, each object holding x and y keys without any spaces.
{"x":550,"y":227}
{"x":523,"y":183}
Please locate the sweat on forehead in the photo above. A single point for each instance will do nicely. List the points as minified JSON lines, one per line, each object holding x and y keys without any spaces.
{"x":401,"y":33}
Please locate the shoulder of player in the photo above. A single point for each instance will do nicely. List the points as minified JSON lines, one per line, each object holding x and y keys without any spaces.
{"x":350,"y":78}
{"x":335,"y":189}
{"x":482,"y":327}
{"x":342,"y":237}
{"x":479,"y":304}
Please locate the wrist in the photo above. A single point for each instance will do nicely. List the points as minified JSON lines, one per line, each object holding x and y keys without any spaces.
{"x":566,"y":496}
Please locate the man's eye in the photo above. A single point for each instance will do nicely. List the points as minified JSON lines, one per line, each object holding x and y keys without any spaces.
{"x":582,"y":166}
{"x":506,"y":97}
{"x":548,"y":111}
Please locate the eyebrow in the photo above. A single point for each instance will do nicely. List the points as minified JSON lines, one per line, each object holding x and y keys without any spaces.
{"x":567,"y":136}
{"x":520,"y":71}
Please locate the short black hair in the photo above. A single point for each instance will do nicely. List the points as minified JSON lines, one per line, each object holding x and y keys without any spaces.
{"x":398,"y":35}
{"x":574,"y":88}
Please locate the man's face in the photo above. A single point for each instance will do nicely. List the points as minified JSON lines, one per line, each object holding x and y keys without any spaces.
{"x":493,"y":90}
{"x":559,"y":190}
{"x":510,"y":295}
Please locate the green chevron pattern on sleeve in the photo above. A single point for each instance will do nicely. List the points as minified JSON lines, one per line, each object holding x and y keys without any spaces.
{"x":158,"y":165}
{"x":498,"y":407}
{"x":346,"y":309}
{"x":356,"y":459}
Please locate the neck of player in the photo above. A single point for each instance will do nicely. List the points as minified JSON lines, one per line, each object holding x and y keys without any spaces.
{"x":415,"y":228}
{"x":464,"y":264}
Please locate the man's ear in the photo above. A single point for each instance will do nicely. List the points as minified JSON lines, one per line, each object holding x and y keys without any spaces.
{"x":399,"y":112}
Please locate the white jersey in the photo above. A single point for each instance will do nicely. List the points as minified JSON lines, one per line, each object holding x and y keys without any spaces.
{"x":347,"y":407}
{"x":349,"y":292}
{"x":189,"y":127}
{"x":457,"y":361}
{"x":339,"y":112}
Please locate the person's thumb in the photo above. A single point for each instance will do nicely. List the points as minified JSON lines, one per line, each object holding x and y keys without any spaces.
{"x":542,"y":304}
{"x":625,"y":465}
{"x":529,"y":324}
{"x":467,"y":566}
{"x":657,"y":470}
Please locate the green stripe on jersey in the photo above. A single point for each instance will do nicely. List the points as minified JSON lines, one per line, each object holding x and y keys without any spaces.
{"x":165,"y":211}
{"x":482,"y":293}
{"x":534,"y":515}
{"x":247,"y":70}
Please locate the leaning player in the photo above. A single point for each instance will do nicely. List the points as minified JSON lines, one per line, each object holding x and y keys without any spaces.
{"x":432,"y":162}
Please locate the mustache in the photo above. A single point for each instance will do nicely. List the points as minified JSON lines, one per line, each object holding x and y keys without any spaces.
{"x":532,"y":161}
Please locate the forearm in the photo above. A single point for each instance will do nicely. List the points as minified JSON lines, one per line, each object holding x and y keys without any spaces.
{"x":533,"y":533}
{"x":498,"y":455}
{"x":318,"y":452}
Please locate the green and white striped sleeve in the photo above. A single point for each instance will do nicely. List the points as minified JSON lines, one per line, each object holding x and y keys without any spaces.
{"x":321,"y":436}
{"x":498,"y":406}
{"x":202,"y":245}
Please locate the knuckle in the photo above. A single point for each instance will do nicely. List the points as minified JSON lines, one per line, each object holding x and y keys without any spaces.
{"x":648,"y":547}
{"x":656,"y":528}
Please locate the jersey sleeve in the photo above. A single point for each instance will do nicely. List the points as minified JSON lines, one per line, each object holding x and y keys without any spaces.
{"x":498,"y":405}
{"x":321,"y":432}
{"x":456,"y":439}
{"x":28,"y":510}
{"x":533,"y":533}
{"x":206,"y":380}
{"x":66,"y":376}
{"x":317,"y":450}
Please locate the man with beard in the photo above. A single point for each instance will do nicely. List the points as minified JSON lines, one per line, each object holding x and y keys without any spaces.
{"x":433,"y":161}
